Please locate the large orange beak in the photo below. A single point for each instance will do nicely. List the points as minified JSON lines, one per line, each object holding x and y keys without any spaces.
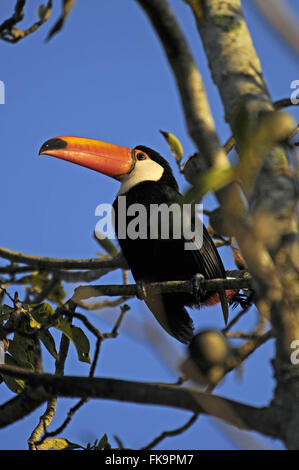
{"x":109,"y":159}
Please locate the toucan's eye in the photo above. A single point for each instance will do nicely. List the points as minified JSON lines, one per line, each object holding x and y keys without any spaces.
{"x":140,"y":156}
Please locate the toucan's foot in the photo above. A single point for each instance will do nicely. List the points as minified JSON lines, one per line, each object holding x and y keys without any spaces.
{"x":245,"y":299}
{"x":198,"y":292}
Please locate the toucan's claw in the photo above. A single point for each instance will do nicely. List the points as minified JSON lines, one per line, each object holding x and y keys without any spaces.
{"x":141,"y":290}
{"x":224,"y":305}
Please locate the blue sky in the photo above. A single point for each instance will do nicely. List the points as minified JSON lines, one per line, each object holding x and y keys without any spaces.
{"x":105,"y":76}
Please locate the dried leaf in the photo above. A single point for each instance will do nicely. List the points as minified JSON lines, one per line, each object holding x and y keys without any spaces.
{"x":238,"y":258}
{"x":174,"y":144}
{"x":57,"y":443}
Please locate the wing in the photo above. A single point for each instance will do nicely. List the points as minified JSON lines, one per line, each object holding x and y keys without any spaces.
{"x":205,"y":258}
{"x":210,"y":266}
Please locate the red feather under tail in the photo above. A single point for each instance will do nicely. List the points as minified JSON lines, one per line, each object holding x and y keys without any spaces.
{"x":215,"y":299}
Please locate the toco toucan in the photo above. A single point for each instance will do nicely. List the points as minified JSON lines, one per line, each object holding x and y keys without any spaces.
{"x":146,"y":178}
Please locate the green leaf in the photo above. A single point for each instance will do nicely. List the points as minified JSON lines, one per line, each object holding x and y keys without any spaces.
{"x":57,"y":295}
{"x":42,"y":313}
{"x":41,"y":12}
{"x":15,"y":385}
{"x":34,"y":279}
{"x":21,"y":349}
{"x":103,"y":442}
{"x":174,"y":144}
{"x":49,"y":343}
{"x":77,"y":336}
{"x":38,"y":281}
{"x":5,"y":313}
{"x":6,"y":309}
{"x":56,"y":443}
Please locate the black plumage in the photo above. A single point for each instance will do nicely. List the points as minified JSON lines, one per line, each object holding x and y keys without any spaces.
{"x":154,"y":260}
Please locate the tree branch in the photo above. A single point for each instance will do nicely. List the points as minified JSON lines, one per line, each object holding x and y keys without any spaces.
{"x":17,"y":16}
{"x":40,"y":262}
{"x":195,"y":103}
{"x":263,"y":420}
{"x":272,"y":249}
{"x":8,"y":31}
{"x":193,"y":286}
{"x":202,"y":129}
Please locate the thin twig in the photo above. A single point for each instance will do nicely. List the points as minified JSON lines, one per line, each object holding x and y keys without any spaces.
{"x":17,"y":16}
{"x":236,"y":319}
{"x":87,"y":323}
{"x":76,"y":407}
{"x":171,"y":433}
{"x":47,"y":289}
{"x":104,"y":303}
{"x":47,"y":417}
{"x":244,"y":351}
{"x":9,"y":33}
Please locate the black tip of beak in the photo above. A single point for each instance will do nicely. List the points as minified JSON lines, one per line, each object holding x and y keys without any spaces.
{"x":52,"y":144}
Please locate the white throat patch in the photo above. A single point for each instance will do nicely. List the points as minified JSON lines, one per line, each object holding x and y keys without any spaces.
{"x":144,"y":170}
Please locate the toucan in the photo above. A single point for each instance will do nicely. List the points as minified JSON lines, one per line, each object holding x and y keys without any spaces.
{"x":146,"y":178}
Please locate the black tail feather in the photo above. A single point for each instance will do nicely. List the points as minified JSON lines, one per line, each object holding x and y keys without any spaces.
{"x":172,"y":316}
